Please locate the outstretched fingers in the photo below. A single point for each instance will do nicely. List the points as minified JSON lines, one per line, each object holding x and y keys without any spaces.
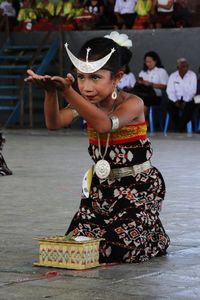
{"x":43,"y":81}
{"x":33,"y":76}
{"x":50,"y":82}
{"x":63,"y":83}
{"x":30,"y":72}
{"x":70,"y":77}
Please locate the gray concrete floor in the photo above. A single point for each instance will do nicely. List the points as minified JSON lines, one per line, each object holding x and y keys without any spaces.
{"x":43,"y":194}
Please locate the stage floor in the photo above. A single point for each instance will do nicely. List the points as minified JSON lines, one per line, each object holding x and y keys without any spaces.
{"x":43,"y":194}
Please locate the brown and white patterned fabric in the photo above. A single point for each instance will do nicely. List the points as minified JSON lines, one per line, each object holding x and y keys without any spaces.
{"x":4,"y":170}
{"x":125,"y":211}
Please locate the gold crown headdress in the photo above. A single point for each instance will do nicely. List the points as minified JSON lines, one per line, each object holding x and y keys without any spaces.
{"x":93,"y":66}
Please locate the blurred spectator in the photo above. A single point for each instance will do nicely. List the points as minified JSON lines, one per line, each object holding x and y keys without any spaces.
{"x":162,"y":13}
{"x":152,"y":80}
{"x":68,"y":10}
{"x":16,"y":5}
{"x":96,"y":9}
{"x":27,"y":14}
{"x":78,"y":7}
{"x":181,"y":89}
{"x":128,"y":80}
{"x":125,"y":13}
{"x":197,"y":104}
{"x":46,"y":15}
{"x":7,"y":10}
{"x":143,"y":9}
{"x":198,"y":82}
{"x":92,"y":15}
{"x":182,"y":15}
{"x":194,"y":7}
{"x":110,"y":19}
{"x":49,"y":8}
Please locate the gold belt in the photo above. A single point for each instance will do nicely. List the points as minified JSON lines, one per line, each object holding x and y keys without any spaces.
{"x":129,"y":171}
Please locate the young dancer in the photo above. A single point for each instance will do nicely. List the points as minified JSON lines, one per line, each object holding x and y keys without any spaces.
{"x":123,"y":194}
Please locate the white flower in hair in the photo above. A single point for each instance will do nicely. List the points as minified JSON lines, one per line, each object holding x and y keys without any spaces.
{"x":120,"y":38}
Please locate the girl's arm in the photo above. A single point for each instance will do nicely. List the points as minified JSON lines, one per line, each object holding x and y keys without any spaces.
{"x":55,"y":117}
{"x":132,"y":109}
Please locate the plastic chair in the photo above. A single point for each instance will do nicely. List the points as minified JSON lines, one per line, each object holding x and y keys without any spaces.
{"x":189,"y":125}
{"x":151,"y":117}
{"x":197,"y":122}
{"x":198,"y":125}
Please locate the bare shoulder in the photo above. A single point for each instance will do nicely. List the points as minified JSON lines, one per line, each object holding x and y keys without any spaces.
{"x":132,"y":107}
{"x":132,"y":99}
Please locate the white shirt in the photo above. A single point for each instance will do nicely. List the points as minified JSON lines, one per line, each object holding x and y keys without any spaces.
{"x":164,"y":2}
{"x":157,"y":75}
{"x":125,"y":7}
{"x":179,"y":87}
{"x":128,"y":80}
{"x":8,"y":9}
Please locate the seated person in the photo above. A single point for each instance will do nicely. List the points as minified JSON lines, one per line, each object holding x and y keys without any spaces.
{"x":27,"y":14}
{"x":96,"y":9}
{"x":128,"y":80}
{"x":162,"y":13}
{"x":125,"y":13}
{"x":143,"y":9}
{"x":181,"y":89}
{"x":109,"y":17}
{"x":182,"y":15}
{"x":48,"y":8}
{"x":197,"y":104}
{"x":7,"y":10}
{"x":152,"y":80}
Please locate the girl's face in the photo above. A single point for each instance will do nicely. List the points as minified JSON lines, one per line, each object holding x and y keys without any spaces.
{"x":96,"y":87}
{"x":150,"y":62}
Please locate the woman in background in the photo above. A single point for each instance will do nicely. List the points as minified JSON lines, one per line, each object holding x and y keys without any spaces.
{"x":154,"y":77}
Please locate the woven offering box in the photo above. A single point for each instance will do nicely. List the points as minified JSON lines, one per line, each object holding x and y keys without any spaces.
{"x":60,"y":252}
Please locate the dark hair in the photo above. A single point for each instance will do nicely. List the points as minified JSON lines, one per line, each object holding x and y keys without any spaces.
{"x":155,"y":57}
{"x":127,"y":69}
{"x":102,"y":46}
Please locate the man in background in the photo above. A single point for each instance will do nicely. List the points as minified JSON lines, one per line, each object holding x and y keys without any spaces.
{"x":181,"y":89}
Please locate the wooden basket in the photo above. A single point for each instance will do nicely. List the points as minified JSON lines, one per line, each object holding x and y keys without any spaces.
{"x":57,"y":251}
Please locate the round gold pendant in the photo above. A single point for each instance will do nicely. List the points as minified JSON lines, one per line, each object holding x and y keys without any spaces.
{"x":102,"y":169}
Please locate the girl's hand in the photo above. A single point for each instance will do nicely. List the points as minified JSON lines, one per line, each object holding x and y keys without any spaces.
{"x":63,"y":83}
{"x":50,"y":83}
{"x":44,"y":82}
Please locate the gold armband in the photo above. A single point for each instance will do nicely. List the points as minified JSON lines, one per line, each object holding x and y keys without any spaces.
{"x":75,"y":114}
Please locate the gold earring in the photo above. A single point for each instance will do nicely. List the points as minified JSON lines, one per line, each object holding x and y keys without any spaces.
{"x":114,"y":94}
